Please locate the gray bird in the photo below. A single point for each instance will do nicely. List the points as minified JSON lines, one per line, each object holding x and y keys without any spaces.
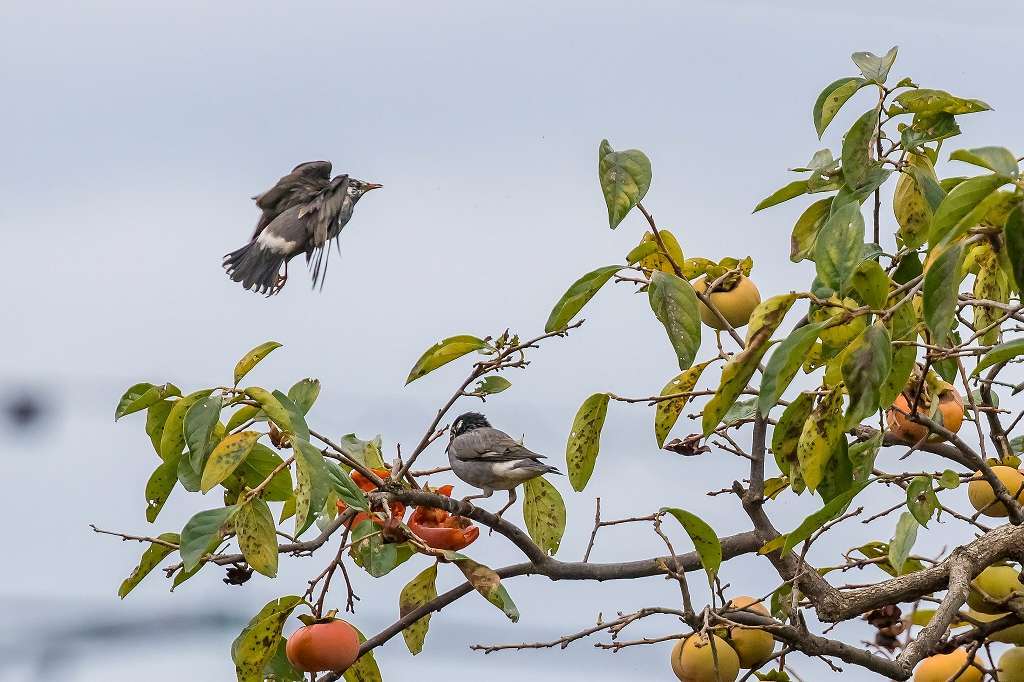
{"x":302,"y":213}
{"x":490,"y":459}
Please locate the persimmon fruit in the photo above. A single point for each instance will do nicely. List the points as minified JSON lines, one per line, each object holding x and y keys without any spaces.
{"x":951,"y":407}
{"x":329,"y":644}
{"x":694,"y":661}
{"x":735,"y":304}
{"x":943,"y":667}
{"x":751,"y":645}
{"x":997,"y":582}
{"x":983,"y":496}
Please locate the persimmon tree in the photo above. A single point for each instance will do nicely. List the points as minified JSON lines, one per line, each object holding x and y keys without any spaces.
{"x":903,"y":343}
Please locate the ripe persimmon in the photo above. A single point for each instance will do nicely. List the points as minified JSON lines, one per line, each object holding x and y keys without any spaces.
{"x":328,"y":644}
{"x":951,"y":409}
{"x":442,"y":530}
{"x":943,"y":667}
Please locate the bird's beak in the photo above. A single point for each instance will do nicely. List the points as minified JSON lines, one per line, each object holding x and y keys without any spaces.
{"x":372,"y":185}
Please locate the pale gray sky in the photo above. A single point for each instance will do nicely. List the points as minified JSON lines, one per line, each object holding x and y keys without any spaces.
{"x":134,"y":134}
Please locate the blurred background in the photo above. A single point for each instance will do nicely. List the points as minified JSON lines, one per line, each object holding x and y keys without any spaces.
{"x":134,"y":135}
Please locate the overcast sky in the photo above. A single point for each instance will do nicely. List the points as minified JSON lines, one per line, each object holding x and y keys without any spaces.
{"x":135,"y":133}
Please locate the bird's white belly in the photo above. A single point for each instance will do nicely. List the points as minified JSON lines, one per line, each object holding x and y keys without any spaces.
{"x":493,"y":475}
{"x":274,"y":243}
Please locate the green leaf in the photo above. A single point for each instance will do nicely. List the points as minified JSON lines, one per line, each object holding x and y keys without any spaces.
{"x":864,"y":371}
{"x":159,"y":486}
{"x":862,"y":457}
{"x":226,"y":457}
{"x":675,"y":305}
{"x":172,"y":438}
{"x":272,"y":407}
{"x":372,"y":554}
{"x":625,"y":178}
{"x":963,"y":208}
{"x":667,"y":412}
{"x":1013,"y":232}
{"x":838,"y":474}
{"x":832,"y":98}
{"x":903,"y":360}
{"x":156,"y":417}
{"x":491,"y":385}
{"x":365,"y":668}
{"x":941,"y":286}
{"x":1001,"y":353}
{"x":419,"y":591}
{"x":704,"y":539}
{"x":279,"y":668}
{"x":873,"y":67}
{"x":805,"y":231}
{"x":153,"y":555}
{"x":765,"y":319}
{"x":346,"y":488}
{"x":641,"y":251}
{"x":996,"y":159}
{"x":488,"y":584}
{"x":927,"y":128}
{"x":253,"y":358}
{"x":783,"y":364}
{"x":872,"y":284}
{"x":577,"y":296}
{"x":260,"y":463}
{"x":142,"y":396}
{"x":242,"y":415}
{"x":200,"y":420}
{"x":857,"y":149}
{"x":256,"y":645}
{"x":257,"y":538}
{"x":921,"y":499}
{"x":366,"y":452}
{"x":443,"y":352}
{"x":202,"y":530}
{"x":312,"y":484}
{"x":790,"y":191}
{"x":833,"y":510}
{"x":544,"y":514}
{"x":585,"y":440}
{"x":819,"y":437}
{"x":925,"y":101}
{"x":296,"y":417}
{"x":949,"y":480}
{"x":304,"y":393}
{"x":903,"y":541}
{"x":837,"y":249}
{"x":849,"y":194}
{"x":787,"y":432}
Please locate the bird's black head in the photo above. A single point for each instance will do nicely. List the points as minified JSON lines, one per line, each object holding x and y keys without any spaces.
{"x":468,"y":422}
{"x":357,"y":188}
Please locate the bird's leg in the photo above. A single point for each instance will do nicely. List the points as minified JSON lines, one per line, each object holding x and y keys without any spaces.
{"x":487,"y":492}
{"x":511,"y":501}
{"x":281,"y":279}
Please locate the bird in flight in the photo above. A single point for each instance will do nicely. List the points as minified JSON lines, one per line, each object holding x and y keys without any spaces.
{"x":490,"y":459}
{"x":302,"y":213}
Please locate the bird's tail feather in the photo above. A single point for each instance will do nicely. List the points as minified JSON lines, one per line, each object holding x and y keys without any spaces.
{"x":255,"y":267}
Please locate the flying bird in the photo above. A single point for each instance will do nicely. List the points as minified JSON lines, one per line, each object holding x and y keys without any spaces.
{"x":302,"y":213}
{"x":490,"y":459}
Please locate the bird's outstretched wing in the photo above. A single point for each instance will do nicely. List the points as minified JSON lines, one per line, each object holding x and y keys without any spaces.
{"x":490,"y":445}
{"x":300,"y":186}
{"x":325,"y":215}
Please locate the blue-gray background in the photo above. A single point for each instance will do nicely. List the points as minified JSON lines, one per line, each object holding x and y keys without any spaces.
{"x":133,"y":135}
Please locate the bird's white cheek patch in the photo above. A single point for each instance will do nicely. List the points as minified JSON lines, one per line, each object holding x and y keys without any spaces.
{"x":274,"y":243}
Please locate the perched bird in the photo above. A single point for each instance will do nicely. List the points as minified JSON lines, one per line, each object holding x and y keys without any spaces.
{"x":300,"y":214}
{"x":490,"y":459}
